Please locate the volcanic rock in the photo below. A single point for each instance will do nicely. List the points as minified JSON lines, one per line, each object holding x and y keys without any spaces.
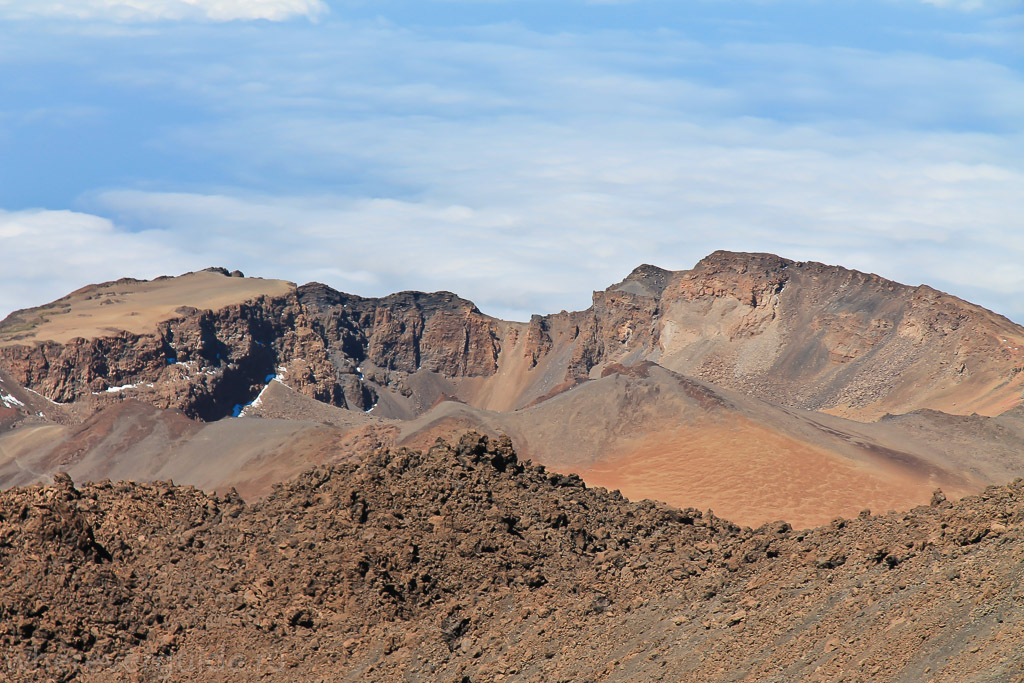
{"x":449,"y":565}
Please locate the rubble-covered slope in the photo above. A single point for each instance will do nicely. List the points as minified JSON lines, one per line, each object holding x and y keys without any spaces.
{"x":642,"y":429}
{"x":463,"y":564}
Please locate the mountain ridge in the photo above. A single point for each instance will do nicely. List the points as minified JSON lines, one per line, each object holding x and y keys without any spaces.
{"x":720,"y":321}
{"x":793,"y":341}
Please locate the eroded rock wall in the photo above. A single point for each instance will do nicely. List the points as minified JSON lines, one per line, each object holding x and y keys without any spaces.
{"x":208,"y":362}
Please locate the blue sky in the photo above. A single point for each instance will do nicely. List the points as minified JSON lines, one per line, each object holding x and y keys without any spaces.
{"x":520,"y":153}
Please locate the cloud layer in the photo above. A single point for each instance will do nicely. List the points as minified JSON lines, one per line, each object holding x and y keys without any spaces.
{"x":521,"y":168}
{"x":160,"y":10}
{"x":521,"y":233}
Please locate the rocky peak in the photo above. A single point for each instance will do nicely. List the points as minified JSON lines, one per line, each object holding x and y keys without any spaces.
{"x":741,"y":262}
{"x":430,"y":302}
{"x":320,"y":297}
{"x":645,"y":280}
{"x":223,"y":271}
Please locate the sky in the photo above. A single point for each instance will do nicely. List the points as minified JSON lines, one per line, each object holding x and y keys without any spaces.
{"x":521,"y":153}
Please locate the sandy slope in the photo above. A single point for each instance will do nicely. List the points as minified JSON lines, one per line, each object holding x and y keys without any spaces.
{"x":132,"y":305}
{"x":653,"y":434}
{"x":135,"y":441}
{"x":643,"y":430}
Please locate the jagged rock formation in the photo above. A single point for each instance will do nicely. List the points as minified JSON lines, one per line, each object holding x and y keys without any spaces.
{"x":464,"y":564}
{"x":205,"y":362}
{"x":804,"y":335}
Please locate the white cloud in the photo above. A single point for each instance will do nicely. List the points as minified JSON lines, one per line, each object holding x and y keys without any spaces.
{"x":595,"y":205}
{"x":522,"y":170}
{"x":158,"y":10}
{"x":529,"y":218}
{"x":523,"y":231}
{"x":47,"y":254}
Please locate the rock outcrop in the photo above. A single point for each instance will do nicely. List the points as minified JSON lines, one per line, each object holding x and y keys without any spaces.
{"x":203,"y":362}
{"x":827,"y":338}
{"x":208,"y":362}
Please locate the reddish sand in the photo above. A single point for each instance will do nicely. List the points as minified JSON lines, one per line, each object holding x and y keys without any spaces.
{"x":750,"y":475}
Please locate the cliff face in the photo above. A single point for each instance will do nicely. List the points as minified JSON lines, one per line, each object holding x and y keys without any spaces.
{"x":798,"y":334}
{"x":202,"y":362}
{"x":207,"y":363}
{"x":374,"y":344}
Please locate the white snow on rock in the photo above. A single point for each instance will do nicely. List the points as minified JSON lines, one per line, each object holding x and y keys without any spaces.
{"x":114,"y":390}
{"x":10,"y":401}
{"x":258,"y":401}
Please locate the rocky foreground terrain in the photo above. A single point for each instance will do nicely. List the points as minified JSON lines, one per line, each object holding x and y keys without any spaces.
{"x":464,"y":564}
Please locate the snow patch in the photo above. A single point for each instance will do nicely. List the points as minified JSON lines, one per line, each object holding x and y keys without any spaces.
{"x":256,"y":402}
{"x":114,"y":390}
{"x":10,"y":401}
